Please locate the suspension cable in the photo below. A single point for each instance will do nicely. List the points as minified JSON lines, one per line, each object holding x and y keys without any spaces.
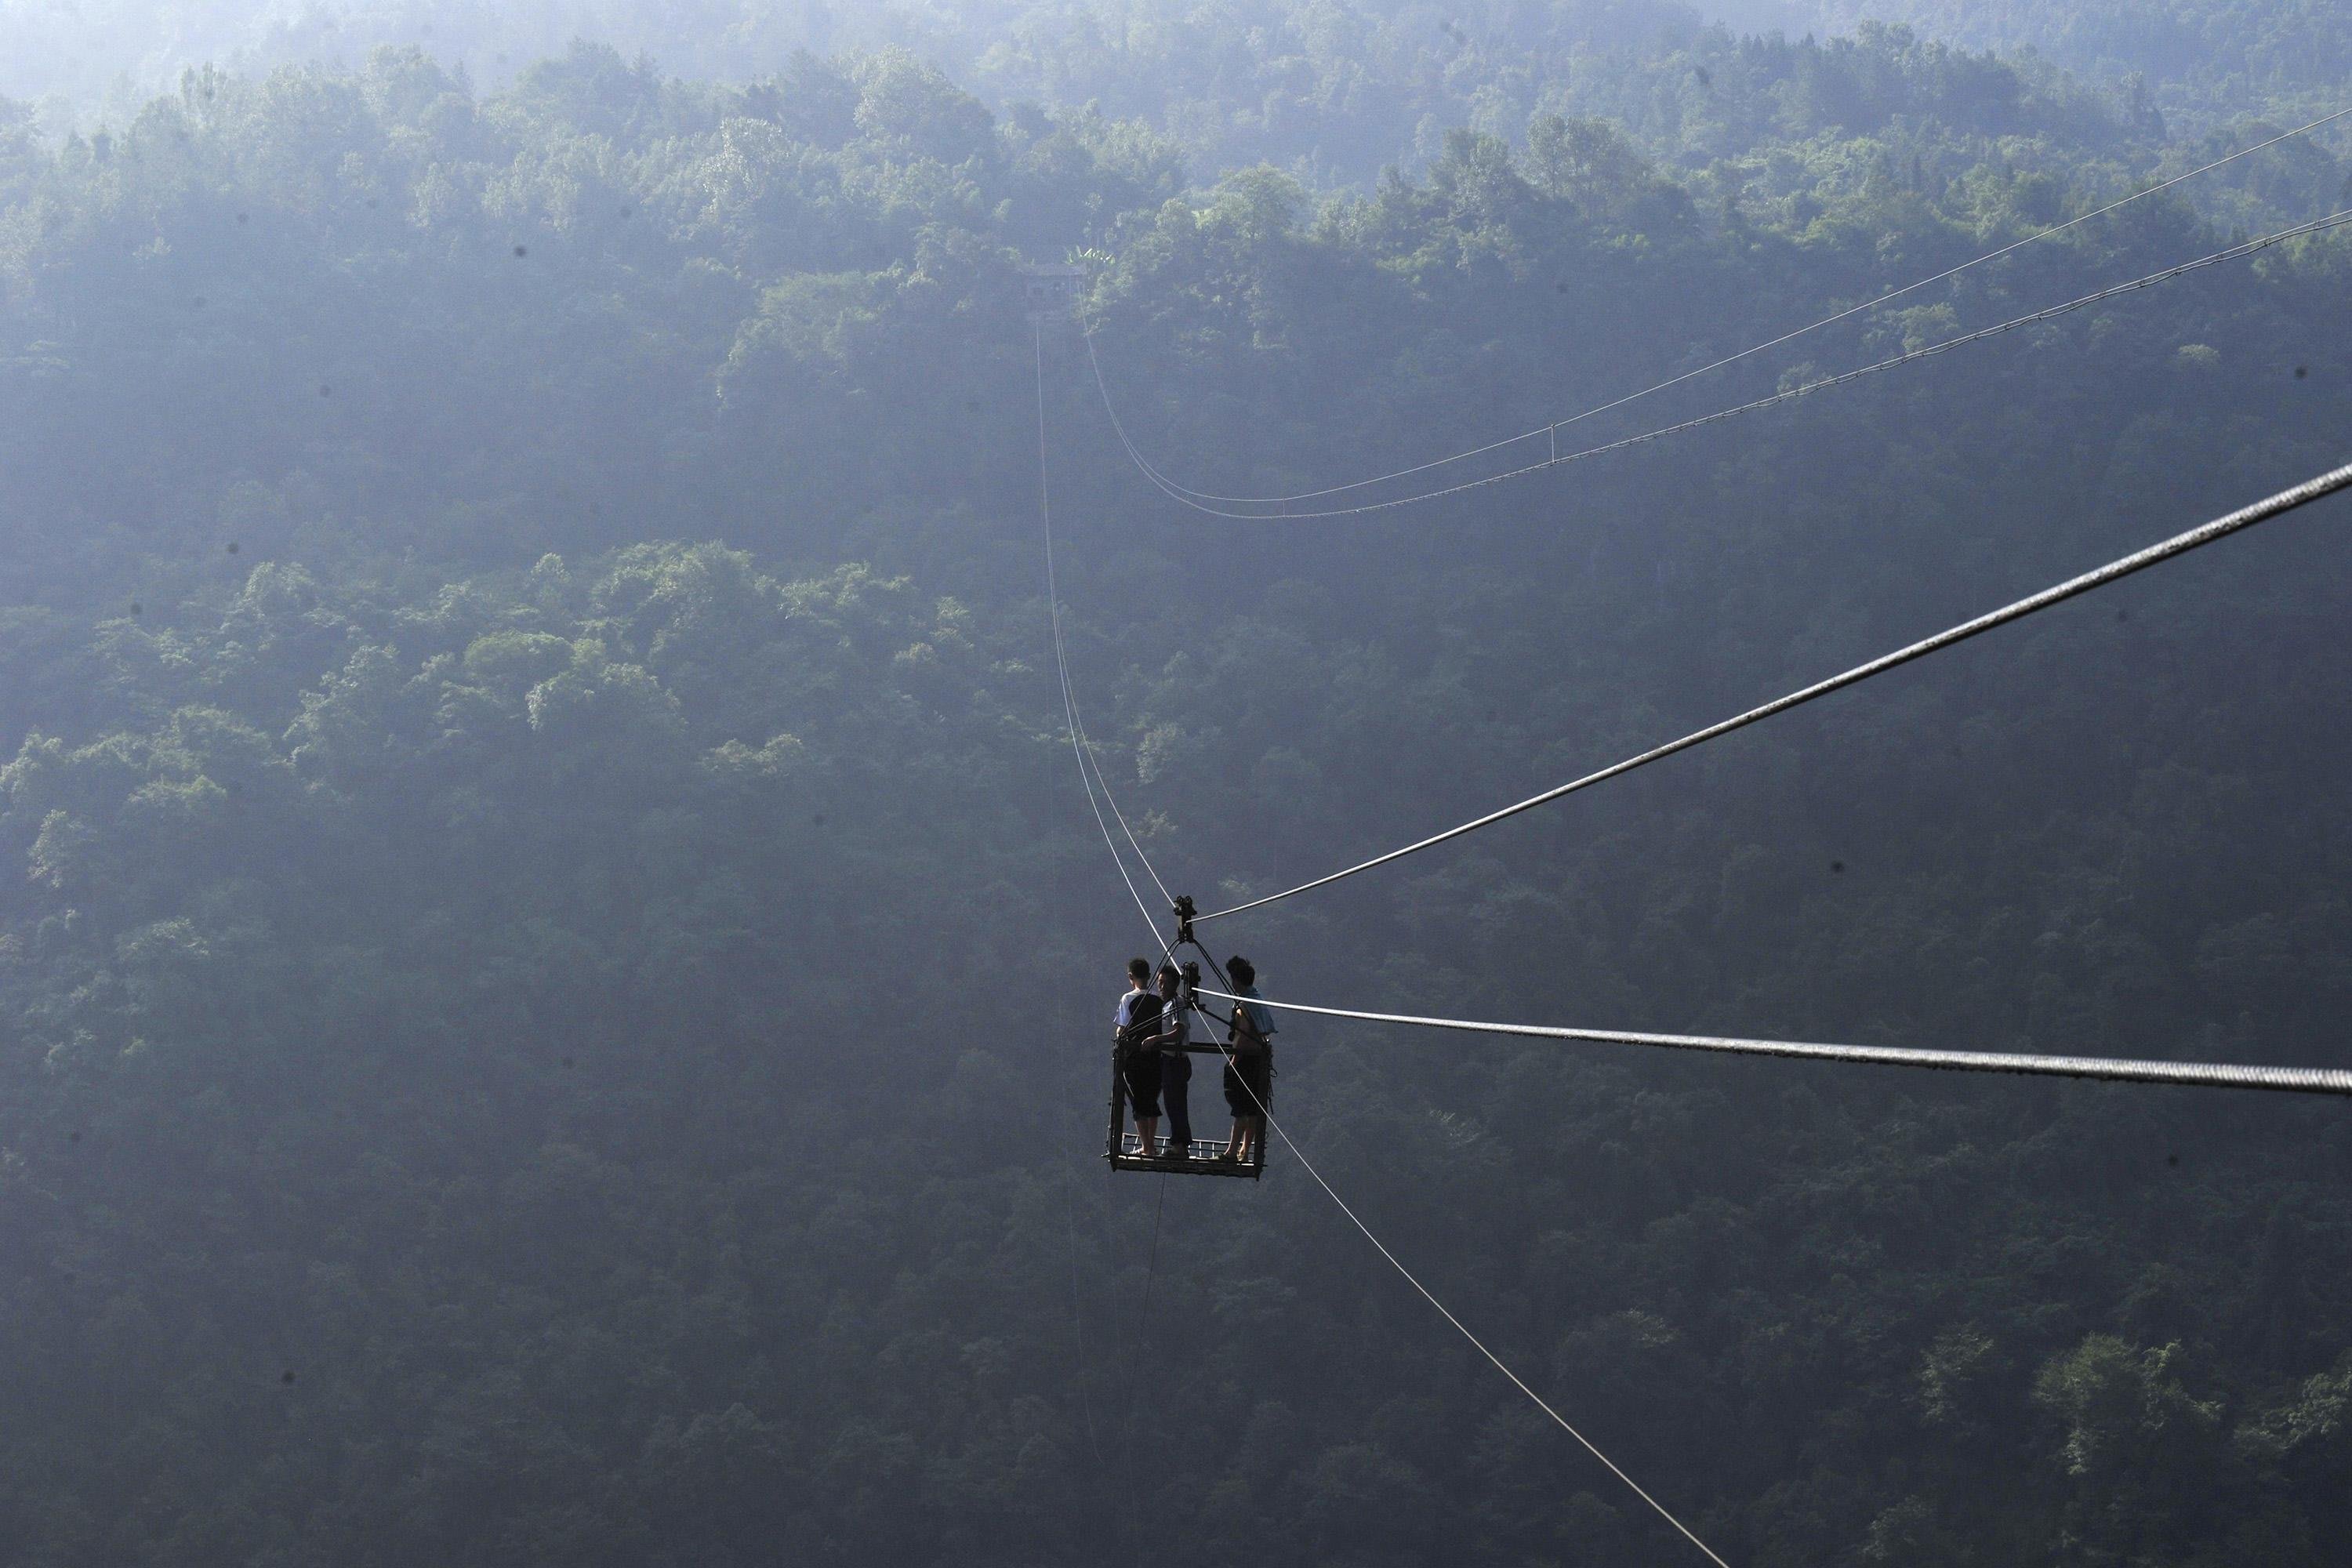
{"x":1555,"y":458}
{"x":1188,"y":496}
{"x":1120,"y":816}
{"x":1081,"y":748}
{"x":1061,"y":660}
{"x":1288,"y":1142}
{"x":2213,"y":1075}
{"x":2285,"y":501}
{"x":1078,"y":1323}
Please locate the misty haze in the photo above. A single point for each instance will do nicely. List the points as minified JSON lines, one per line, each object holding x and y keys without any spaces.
{"x":1003,"y":781}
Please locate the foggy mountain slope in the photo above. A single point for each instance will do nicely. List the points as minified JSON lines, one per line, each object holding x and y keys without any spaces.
{"x":2195,"y":52}
{"x":553,"y":982}
{"x":1135,"y":57}
{"x":1328,"y":89}
{"x":1334,"y":90}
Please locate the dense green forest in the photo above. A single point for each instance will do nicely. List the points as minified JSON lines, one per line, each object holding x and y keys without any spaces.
{"x":553,"y":999}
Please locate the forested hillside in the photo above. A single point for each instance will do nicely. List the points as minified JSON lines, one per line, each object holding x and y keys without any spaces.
{"x":2202,"y":52}
{"x":1333,"y":90}
{"x":555,"y":968}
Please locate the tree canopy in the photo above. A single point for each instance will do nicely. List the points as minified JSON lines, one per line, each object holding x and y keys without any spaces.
{"x":553,"y":980}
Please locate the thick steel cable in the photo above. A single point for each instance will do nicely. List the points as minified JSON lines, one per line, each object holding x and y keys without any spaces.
{"x":1560,"y":459}
{"x":2209,"y":1075}
{"x":2285,"y":501}
{"x":1181,"y":492}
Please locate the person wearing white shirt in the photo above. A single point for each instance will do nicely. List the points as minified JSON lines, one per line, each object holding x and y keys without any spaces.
{"x":1137,"y":1022}
{"x":1175,"y":1063}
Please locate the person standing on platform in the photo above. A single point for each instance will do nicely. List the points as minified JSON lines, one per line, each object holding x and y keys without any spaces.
{"x":1138,"y":1056}
{"x":1175,"y":1062}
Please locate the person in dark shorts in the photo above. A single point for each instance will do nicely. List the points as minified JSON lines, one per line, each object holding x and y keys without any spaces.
{"x":1175,"y":1063}
{"x":1138,"y":1054}
{"x":1249,"y":1065}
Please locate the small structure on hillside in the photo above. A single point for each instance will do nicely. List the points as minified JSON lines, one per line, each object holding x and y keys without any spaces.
{"x":1052,"y":289}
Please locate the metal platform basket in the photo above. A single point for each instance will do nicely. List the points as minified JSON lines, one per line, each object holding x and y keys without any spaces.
{"x":1201,"y":1157}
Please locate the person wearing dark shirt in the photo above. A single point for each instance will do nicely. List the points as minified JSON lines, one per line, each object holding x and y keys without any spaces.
{"x":1138,"y":1054}
{"x":1175,"y":1063}
{"x":1249,"y":1065}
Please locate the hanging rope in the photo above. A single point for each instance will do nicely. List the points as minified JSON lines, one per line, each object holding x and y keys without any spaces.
{"x":1447,"y":1314}
{"x":1556,"y":458}
{"x":2279,"y":505}
{"x":1079,"y":1325}
{"x":1070,"y":709}
{"x":1188,"y":496}
{"x":2299,"y":1079}
{"x":1061,"y":659}
{"x":2213,"y":1075}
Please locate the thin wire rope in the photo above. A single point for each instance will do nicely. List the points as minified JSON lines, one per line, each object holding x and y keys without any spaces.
{"x":2205,"y":533}
{"x":1089,"y":760}
{"x":1446,"y":1313}
{"x":1139,"y":1335}
{"x":1061,"y":661}
{"x":1560,"y":459}
{"x":1142,"y":1335}
{"x":1225,"y":1050}
{"x":1121,"y":817}
{"x":1288,"y":1141}
{"x":1078,"y":1323}
{"x":1079,"y":742}
{"x":1266,"y":1113}
{"x":1829,"y":321}
{"x":1152,"y":1265}
{"x":2210,"y":1075}
{"x":1079,"y":748}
